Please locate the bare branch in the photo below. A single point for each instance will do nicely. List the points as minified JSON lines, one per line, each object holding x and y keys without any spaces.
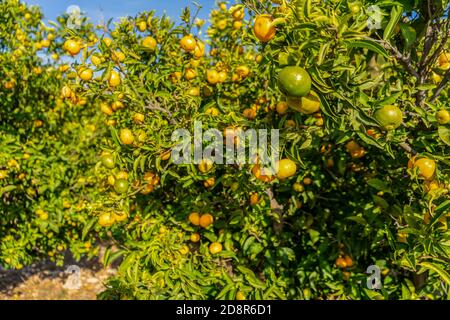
{"x":157,"y":107}
{"x":404,"y":60}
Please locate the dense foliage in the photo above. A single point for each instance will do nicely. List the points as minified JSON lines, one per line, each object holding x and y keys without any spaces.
{"x":363,"y":115}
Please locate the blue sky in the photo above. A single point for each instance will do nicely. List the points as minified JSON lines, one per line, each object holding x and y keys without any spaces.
{"x":95,"y":9}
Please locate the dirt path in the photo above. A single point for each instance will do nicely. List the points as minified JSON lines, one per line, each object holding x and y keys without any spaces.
{"x":46,"y":281}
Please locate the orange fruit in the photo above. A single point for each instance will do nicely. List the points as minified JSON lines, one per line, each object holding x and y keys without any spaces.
{"x":194,"y":218}
{"x":114,"y":78}
{"x":195,"y":237}
{"x":149,"y":43}
{"x":206,"y":220}
{"x":286,"y":168}
{"x":263,"y":28}
{"x":72,"y":47}
{"x":215,"y":247}
{"x":188,"y":43}
{"x":106,"y":219}
{"x":126,"y":136}
{"x":426,"y":167}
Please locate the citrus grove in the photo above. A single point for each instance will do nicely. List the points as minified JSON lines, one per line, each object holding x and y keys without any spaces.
{"x":87,"y":116}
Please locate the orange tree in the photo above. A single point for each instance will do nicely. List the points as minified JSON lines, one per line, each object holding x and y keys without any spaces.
{"x":46,"y":144}
{"x":362,"y":111}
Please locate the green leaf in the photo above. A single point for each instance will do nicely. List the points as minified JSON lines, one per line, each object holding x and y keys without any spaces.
{"x":436,"y":268}
{"x":390,"y":100}
{"x":358,"y":219}
{"x":7,"y":189}
{"x":379,"y":185}
{"x":370,"y":45}
{"x":396,"y":14}
{"x":444,"y":134}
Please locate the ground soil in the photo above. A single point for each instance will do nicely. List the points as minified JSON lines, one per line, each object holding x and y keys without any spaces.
{"x":46,"y":281}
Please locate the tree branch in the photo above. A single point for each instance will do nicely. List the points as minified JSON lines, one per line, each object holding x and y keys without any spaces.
{"x":441,"y":86}
{"x":405,"y":146}
{"x":157,"y":107}
{"x":404,"y":60}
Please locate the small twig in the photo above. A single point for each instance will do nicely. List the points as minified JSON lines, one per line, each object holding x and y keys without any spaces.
{"x":154,"y":107}
{"x":405,"y":146}
{"x":403,"y":59}
{"x":441,"y":86}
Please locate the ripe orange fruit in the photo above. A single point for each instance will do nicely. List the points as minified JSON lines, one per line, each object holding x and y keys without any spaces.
{"x":85,"y":74}
{"x":114,"y":78}
{"x":257,"y":172}
{"x":126,"y":136}
{"x":282,"y":108}
{"x":184,"y":250}
{"x":286,"y":168}
{"x":240,"y":296}
{"x":263,"y":28}
{"x":195,"y":237}
{"x":208,"y":183}
{"x":106,"y":219}
{"x":120,"y":216}
{"x":215,"y":247}
{"x":205,"y":165}
{"x":96,"y":60}
{"x":443,"y":116}
{"x":341,"y":263}
{"x":352,"y":146}
{"x":348,"y":261}
{"x":194,"y":91}
{"x":199,"y":50}
{"x":122,"y":175}
{"x":107,"y":41}
{"x":72,"y":47}
{"x":188,"y":43}
{"x":190,"y":74}
{"x":238,"y":14}
{"x":390,"y":117}
{"x":237,"y":25}
{"x":249,"y":113}
{"x":117,"y":105}
{"x":106,"y":109}
{"x":254,"y":198}
{"x":431,"y":185}
{"x":206,"y":220}
{"x":212,"y":76}
{"x":242,"y":71}
{"x":148,"y":188}
{"x":426,"y":167}
{"x":138,"y":118}
{"x":444,"y":61}
{"x":194,"y":218}
{"x":118,"y":56}
{"x":149,"y":43}
{"x":141,"y":25}
{"x":222,"y":77}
